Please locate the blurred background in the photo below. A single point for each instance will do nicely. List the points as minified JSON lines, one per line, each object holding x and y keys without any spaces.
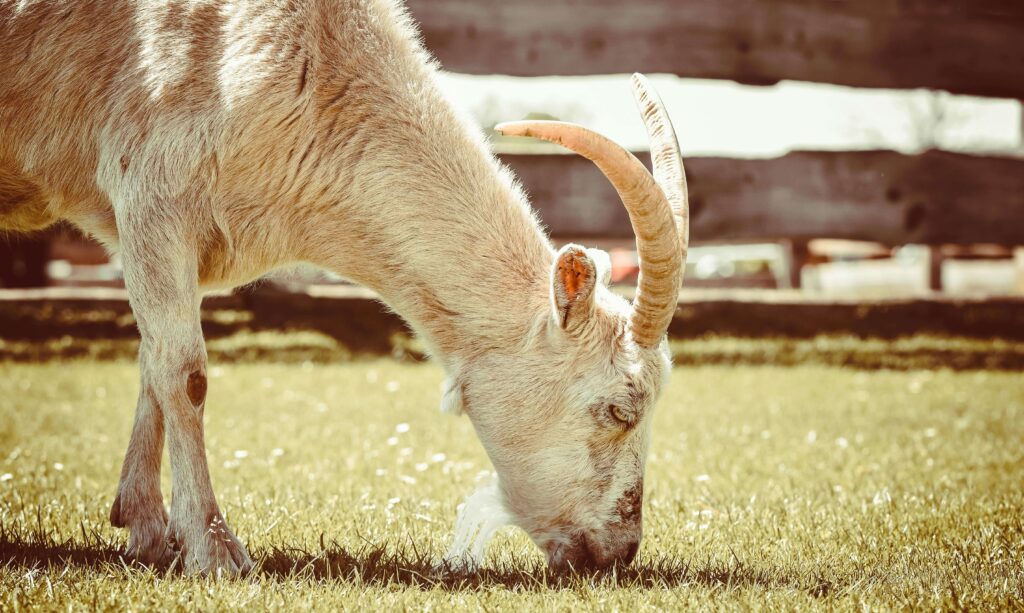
{"x":851,"y":151}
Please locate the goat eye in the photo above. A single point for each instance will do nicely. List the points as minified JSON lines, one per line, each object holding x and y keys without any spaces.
{"x":620,"y":414}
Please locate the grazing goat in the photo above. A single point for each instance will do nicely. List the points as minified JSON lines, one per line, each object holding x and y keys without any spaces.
{"x":210,"y":141}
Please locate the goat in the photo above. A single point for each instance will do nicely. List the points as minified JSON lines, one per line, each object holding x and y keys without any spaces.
{"x":210,"y":141}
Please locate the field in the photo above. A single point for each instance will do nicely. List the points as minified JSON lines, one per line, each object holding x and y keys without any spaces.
{"x":884,"y":483}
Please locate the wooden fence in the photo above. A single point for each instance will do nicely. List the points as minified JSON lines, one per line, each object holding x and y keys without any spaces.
{"x":963,"y":46}
{"x":880,"y":196}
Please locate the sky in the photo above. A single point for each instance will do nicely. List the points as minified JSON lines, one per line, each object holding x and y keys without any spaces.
{"x":728,"y":119}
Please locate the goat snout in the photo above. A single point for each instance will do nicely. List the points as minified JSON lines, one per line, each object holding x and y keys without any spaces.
{"x":589,"y":553}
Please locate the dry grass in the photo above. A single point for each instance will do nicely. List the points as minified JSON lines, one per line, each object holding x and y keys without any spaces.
{"x":783,"y":487}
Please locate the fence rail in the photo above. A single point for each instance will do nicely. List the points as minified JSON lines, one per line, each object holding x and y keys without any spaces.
{"x":880,"y":196}
{"x":963,"y":46}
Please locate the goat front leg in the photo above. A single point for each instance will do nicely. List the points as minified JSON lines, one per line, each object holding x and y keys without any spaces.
{"x":162,"y":281}
{"x":139,"y":504}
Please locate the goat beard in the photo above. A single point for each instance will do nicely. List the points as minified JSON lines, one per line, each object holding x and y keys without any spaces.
{"x":483,"y":513}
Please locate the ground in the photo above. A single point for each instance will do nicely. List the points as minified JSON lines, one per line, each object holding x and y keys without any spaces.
{"x":802,"y":486}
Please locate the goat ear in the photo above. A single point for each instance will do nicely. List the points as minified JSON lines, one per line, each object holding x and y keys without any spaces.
{"x":573,"y":278}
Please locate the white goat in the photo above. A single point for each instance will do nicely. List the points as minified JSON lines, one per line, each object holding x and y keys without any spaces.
{"x":209,"y":141}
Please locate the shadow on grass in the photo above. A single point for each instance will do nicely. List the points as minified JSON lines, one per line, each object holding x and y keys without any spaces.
{"x":379,"y":565}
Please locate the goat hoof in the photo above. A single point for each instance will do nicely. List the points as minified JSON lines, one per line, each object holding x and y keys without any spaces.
{"x":145,"y":532}
{"x":210,"y":549}
{"x":117,"y":520}
{"x":146,"y":544}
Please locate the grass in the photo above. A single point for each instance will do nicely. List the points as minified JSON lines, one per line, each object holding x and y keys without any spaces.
{"x":785,"y":487}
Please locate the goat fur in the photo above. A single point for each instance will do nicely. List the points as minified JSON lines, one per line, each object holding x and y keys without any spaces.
{"x":210,"y":141}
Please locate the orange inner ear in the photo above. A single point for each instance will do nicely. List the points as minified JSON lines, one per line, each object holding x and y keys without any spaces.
{"x":573,"y":274}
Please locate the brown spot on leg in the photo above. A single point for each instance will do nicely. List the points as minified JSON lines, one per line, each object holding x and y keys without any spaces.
{"x":197,"y":388}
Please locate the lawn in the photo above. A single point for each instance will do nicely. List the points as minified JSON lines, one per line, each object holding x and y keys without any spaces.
{"x":802,"y":486}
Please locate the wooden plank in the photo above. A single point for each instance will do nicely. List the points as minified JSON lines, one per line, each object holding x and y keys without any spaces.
{"x":963,"y":46}
{"x":354,"y":316}
{"x":880,"y":196}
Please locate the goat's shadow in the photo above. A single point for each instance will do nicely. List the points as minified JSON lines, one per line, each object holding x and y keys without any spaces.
{"x":381,"y":566}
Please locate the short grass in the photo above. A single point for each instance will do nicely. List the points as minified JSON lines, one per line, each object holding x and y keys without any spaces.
{"x":797,"y":487}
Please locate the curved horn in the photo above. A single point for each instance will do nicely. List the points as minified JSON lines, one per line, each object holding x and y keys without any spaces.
{"x":653,"y":210}
{"x":666,"y":158}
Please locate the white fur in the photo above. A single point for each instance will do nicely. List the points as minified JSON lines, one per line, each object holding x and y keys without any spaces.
{"x":211,"y":141}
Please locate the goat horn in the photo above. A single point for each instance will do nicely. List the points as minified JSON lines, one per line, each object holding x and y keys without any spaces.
{"x":656,"y":204}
